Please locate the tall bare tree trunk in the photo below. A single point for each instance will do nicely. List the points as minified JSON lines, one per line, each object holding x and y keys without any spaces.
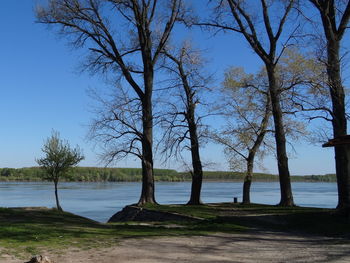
{"x":190,"y":117}
{"x":280,"y":137}
{"x":339,"y":123}
{"x":148,"y":189}
{"x":335,"y":16}
{"x":197,"y":175}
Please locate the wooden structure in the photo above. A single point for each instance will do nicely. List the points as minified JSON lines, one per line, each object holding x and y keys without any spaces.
{"x":339,"y":141}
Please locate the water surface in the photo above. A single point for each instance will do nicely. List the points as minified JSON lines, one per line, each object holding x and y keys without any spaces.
{"x":99,"y":201}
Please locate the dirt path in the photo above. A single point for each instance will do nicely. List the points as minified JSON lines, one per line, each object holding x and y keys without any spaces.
{"x":245,"y":247}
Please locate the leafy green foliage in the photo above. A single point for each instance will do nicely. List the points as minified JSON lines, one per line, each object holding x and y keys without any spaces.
{"x":59,"y":157}
{"x":6,"y":172}
{"x":246,"y":104}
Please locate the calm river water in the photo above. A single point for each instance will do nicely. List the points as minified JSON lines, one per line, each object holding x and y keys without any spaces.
{"x":99,"y":201}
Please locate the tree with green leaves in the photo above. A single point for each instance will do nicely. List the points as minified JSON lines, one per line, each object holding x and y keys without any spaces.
{"x":262,"y":24}
{"x":246,"y":104}
{"x":247,"y":107}
{"x":59,"y":158}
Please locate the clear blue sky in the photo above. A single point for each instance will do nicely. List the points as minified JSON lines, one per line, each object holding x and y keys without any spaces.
{"x":42,"y":90}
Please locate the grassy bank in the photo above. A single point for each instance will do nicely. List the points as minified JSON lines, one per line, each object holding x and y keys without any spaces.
{"x":310,"y":220}
{"x":27,"y":232}
{"x":98,"y":174}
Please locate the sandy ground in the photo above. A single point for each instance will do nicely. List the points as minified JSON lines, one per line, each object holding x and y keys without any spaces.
{"x":245,"y":247}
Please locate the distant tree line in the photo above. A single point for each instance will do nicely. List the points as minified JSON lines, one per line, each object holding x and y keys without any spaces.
{"x":98,"y":174}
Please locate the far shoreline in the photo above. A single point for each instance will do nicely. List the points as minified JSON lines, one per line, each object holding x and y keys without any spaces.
{"x":102,"y":174}
{"x":184,"y":181}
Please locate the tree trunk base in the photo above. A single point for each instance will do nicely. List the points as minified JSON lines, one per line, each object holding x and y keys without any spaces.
{"x":146,"y":202}
{"x":286,"y":204}
{"x":343,"y":211}
{"x":194,"y":202}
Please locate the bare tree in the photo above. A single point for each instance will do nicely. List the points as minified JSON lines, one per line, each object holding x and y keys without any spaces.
{"x":123,"y":37}
{"x":247,"y":107}
{"x":182,"y":122}
{"x":117,"y":125}
{"x":334,"y":16}
{"x":264,"y":33}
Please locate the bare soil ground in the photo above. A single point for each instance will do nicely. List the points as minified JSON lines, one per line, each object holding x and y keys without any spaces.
{"x":257,"y":246}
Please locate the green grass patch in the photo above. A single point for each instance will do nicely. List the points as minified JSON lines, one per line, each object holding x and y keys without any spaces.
{"x":211,"y":211}
{"x":28,"y":232}
{"x":309,"y":220}
{"x":200,"y":211}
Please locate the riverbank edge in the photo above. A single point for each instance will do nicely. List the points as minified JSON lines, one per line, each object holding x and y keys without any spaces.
{"x":142,"y":214}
